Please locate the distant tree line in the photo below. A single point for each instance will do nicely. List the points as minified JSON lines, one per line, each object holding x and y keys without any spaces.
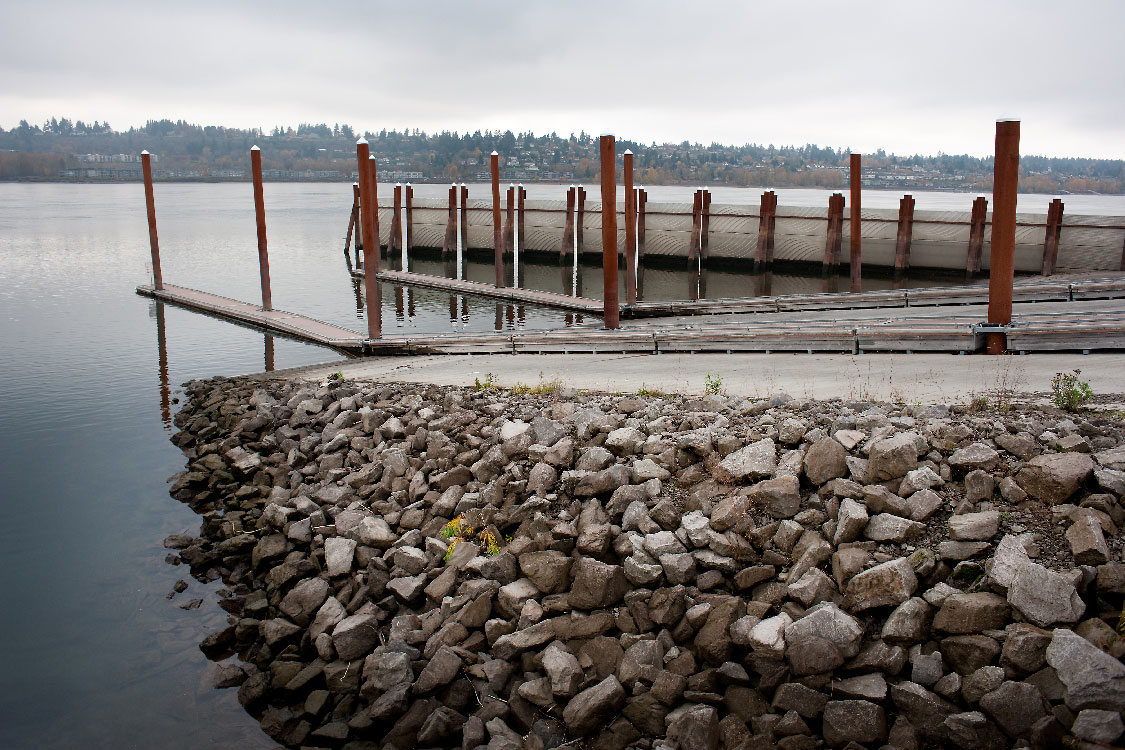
{"x":40,"y":151}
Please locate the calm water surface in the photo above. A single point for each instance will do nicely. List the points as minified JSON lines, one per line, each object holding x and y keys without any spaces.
{"x":94,"y":654}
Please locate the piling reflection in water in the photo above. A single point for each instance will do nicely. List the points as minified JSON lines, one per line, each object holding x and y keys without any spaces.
{"x":269,"y":357}
{"x":162,"y":369}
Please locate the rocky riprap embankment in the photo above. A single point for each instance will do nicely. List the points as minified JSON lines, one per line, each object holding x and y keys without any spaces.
{"x":671,"y":572}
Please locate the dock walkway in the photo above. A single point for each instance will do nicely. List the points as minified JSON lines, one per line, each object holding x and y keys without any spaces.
{"x":275,"y":321}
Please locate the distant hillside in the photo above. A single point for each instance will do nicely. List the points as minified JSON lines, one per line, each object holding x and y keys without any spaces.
{"x":62,"y":149}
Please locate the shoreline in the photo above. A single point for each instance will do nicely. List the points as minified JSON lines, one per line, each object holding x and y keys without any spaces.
{"x":430,"y":565}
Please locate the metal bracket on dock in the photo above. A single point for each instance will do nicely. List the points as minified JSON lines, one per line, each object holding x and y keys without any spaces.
{"x":987,"y":327}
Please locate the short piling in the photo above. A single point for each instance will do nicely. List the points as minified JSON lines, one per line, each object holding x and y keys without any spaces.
{"x":704,"y":223}
{"x":567,"y":245}
{"x":394,"y":241}
{"x":1051,"y":238}
{"x":497,"y":230}
{"x":521,"y":236}
{"x":580,"y":221}
{"x":834,"y":234}
{"x":509,"y":226}
{"x":905,"y":231}
{"x":696,"y":228}
{"x":977,"y":220}
{"x":630,"y":230}
{"x":464,"y":219}
{"x":1001,"y":267}
{"x":367,"y":201}
{"x":449,"y":242}
{"x":855,"y":163}
{"x":611,"y":308}
{"x":642,"y":199}
{"x":260,"y":220}
{"x":150,"y":206}
{"x":357,"y":224}
{"x":408,"y":238}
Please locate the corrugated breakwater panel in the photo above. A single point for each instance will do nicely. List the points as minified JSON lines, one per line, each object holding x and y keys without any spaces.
{"x":939,"y":239}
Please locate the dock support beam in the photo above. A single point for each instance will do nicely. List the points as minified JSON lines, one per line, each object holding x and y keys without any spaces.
{"x":408,"y":235}
{"x":464,"y":219}
{"x":521,"y":199}
{"x":611,"y":308}
{"x":497,"y":230}
{"x":630,"y":230}
{"x":856,"y":164}
{"x":567,"y":245}
{"x":509,"y":230}
{"x":835,"y":232}
{"x":767,"y":221}
{"x":976,"y":234}
{"x":696,"y":228}
{"x":580,"y":221}
{"x":1001,"y":267}
{"x":1051,"y":240}
{"x":449,"y":243}
{"x":260,"y":220}
{"x":150,"y":206}
{"x":905,"y":230}
{"x":704,"y":223}
{"x":357,"y":224}
{"x":642,"y":199}
{"x":370,"y":222}
{"x":394,"y":242}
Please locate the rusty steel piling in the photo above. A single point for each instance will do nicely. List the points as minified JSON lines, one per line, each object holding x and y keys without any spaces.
{"x":1001,"y":266}
{"x":367,"y":197}
{"x":497,"y":230}
{"x":856,"y":166}
{"x":610,"y":305}
{"x":260,"y":221}
{"x":150,"y":207}
{"x":630,"y":231}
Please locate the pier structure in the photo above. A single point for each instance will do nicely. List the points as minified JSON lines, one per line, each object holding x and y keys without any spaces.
{"x":955,"y":318}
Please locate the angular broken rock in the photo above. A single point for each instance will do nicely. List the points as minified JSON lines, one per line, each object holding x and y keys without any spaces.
{"x":893,"y":457}
{"x":974,"y":456}
{"x":887,"y":584}
{"x":355,"y":636}
{"x":755,"y":461}
{"x":1093,"y":678}
{"x":780,"y":498}
{"x":596,"y":584}
{"x":972,"y":613}
{"x":594,"y":706}
{"x":825,"y":460}
{"x":1087,"y":543}
{"x":831,"y":623}
{"x":856,"y":721}
{"x":1054,"y":477}
{"x":971,"y":527}
{"x":1044,"y":597}
{"x":850,"y":521}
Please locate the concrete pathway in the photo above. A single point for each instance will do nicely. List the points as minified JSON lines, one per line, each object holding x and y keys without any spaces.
{"x":910,"y":378}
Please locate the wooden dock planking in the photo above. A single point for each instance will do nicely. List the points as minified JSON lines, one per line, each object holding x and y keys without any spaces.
{"x":508,"y":294}
{"x":277,"y":321}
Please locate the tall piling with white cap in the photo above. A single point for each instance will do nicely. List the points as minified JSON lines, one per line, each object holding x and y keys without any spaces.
{"x":497,"y":230}
{"x":260,"y":220}
{"x":630,"y":230}
{"x":150,"y":208}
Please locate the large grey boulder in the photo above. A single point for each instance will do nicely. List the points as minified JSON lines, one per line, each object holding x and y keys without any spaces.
{"x":549,"y":570}
{"x":893,"y":457}
{"x":304,"y":599}
{"x":338,"y":555}
{"x":825,"y":460}
{"x":850,"y":521}
{"x":1044,"y":597}
{"x":974,"y":456}
{"x":755,"y":461}
{"x":596,"y":584}
{"x":926,"y":711}
{"x":973,"y":730}
{"x":831,"y":623}
{"x":1015,"y":706}
{"x":1093,"y":678}
{"x":969,"y":527}
{"x":780,"y":497}
{"x":854,"y":721}
{"x":355,"y":636}
{"x":972,"y":613}
{"x":594,"y":706}
{"x":887,"y":584}
{"x":1054,"y":477}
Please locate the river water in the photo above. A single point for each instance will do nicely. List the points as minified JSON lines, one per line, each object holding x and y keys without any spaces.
{"x":95,"y":655}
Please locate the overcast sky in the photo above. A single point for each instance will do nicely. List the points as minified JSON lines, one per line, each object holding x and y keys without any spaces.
{"x":910,"y":77}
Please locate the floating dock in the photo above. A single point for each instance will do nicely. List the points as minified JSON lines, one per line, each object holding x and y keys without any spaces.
{"x":275,"y":321}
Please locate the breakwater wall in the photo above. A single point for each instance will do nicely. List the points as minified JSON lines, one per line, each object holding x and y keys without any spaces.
{"x":936,"y":239}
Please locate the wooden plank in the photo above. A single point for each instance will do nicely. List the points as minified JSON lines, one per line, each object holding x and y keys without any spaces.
{"x":278,"y":321}
{"x":460,"y":286}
